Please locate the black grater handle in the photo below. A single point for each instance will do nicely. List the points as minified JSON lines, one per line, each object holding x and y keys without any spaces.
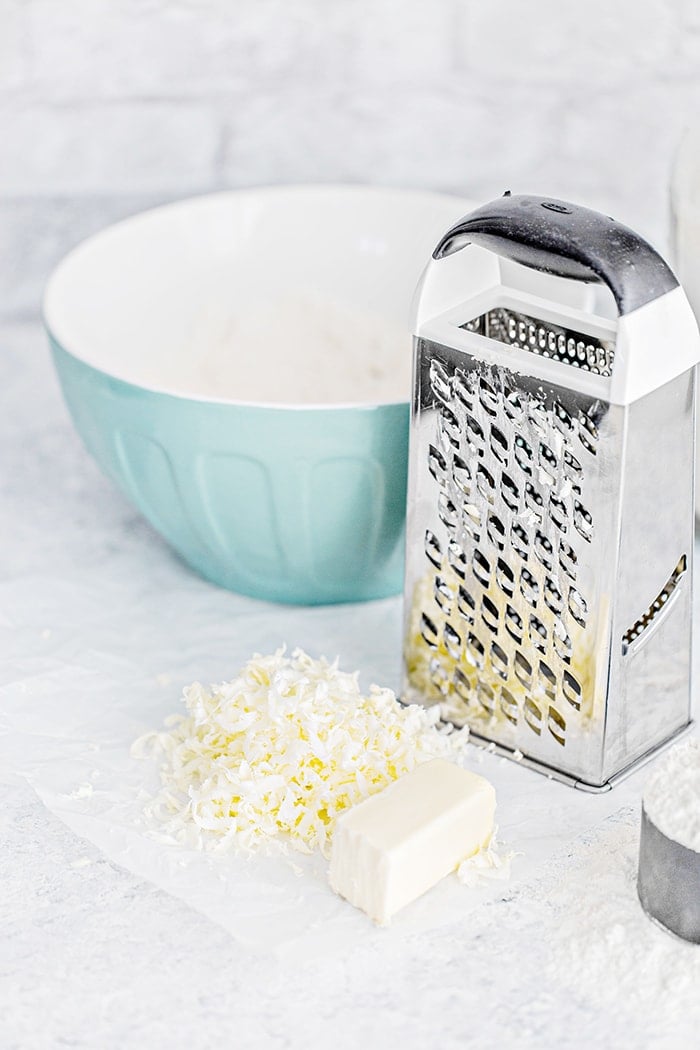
{"x":568,"y":241}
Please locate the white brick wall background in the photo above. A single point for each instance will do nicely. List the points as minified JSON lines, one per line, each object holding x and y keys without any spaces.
{"x":108,"y":106}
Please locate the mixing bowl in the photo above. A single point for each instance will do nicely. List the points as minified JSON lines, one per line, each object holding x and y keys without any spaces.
{"x":239,"y":364}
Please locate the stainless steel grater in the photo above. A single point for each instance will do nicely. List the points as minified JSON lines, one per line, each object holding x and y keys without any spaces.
{"x":550,"y":513}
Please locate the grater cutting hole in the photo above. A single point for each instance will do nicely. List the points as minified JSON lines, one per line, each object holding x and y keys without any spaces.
{"x":499,"y":661}
{"x":548,"y":680}
{"x":563,"y":645}
{"x":488,"y":396}
{"x":514,"y":624}
{"x":523,"y":455}
{"x":588,"y":422}
{"x":439,"y":381}
{"x":513,"y":407}
{"x":562,"y":419}
{"x":489,"y":614}
{"x":463,"y":686}
{"x":520,"y":541}
{"x":456,"y":559}
{"x":447,"y":512}
{"x":475,"y":652}
{"x":571,"y":690}
{"x":510,"y":492}
{"x":486,"y":697}
{"x":548,"y":456}
{"x":548,"y":463}
{"x":466,"y":606}
{"x":523,"y":669}
{"x":443,"y":594}
{"x":544,"y":550}
{"x":509,"y":705}
{"x":523,"y":332}
{"x":559,"y":513}
{"x":534,"y":501}
{"x":496,"y":531}
{"x":461,"y":391}
{"x":472,"y":520}
{"x":437,"y":464}
{"x":438,"y":675}
{"x":588,"y":432}
{"x":556,"y":725}
{"x":644,"y":622}
{"x":499,"y":445}
{"x":453,"y":642}
{"x":529,"y":587}
{"x":537,"y":414}
{"x":505,"y":577}
{"x":583,"y":521}
{"x":475,"y":433}
{"x":533,"y":715}
{"x":461,"y":474}
{"x":568,"y":559}
{"x":428,"y":631}
{"x":449,"y":425}
{"x":481,"y":567}
{"x":538,"y":634}
{"x":433,"y":549}
{"x":577,"y":606}
{"x":587,"y":443}
{"x":485,"y":483}
{"x":572,"y":466}
{"x":553,"y":598}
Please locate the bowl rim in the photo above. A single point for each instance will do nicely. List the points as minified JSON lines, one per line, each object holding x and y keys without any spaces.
{"x":49,"y":297}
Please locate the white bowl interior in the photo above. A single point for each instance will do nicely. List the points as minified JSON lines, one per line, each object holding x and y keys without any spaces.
{"x":294,"y":295}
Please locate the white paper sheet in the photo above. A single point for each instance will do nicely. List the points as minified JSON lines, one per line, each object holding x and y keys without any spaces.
{"x":69,"y":725}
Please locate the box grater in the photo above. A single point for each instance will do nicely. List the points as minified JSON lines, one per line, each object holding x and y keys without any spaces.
{"x":550,"y":514}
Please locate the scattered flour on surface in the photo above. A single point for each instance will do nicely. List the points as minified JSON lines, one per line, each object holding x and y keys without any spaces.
{"x":82,"y":791}
{"x":606,"y":950}
{"x":672,"y":796}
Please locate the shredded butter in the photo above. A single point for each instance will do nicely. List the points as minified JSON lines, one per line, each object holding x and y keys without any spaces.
{"x":275,"y":755}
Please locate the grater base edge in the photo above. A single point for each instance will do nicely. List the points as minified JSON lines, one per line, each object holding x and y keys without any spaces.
{"x":564,"y":778}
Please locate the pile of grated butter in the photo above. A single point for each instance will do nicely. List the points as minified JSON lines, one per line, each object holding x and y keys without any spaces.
{"x":274,"y":756}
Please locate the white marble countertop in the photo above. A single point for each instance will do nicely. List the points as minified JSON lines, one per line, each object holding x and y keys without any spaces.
{"x":91,"y":955}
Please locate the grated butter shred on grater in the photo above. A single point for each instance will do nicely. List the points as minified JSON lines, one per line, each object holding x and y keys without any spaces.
{"x":550,"y":512}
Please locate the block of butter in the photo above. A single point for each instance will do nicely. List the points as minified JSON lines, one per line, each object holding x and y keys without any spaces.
{"x":395,"y":845}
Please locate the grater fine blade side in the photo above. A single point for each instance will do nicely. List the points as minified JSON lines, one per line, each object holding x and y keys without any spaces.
{"x":549,"y":340}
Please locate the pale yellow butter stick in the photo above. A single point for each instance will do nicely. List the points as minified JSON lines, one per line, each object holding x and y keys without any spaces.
{"x":391,"y":848}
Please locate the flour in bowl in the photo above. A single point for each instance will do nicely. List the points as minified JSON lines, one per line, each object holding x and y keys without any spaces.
{"x":299,"y":350}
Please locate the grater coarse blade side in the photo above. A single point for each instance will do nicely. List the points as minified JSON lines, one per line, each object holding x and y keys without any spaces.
{"x":504,"y":626}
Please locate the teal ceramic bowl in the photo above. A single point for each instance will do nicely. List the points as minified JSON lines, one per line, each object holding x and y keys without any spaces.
{"x":239,"y":365}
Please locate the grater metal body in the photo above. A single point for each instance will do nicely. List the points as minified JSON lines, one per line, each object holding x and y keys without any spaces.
{"x":549,"y":536}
